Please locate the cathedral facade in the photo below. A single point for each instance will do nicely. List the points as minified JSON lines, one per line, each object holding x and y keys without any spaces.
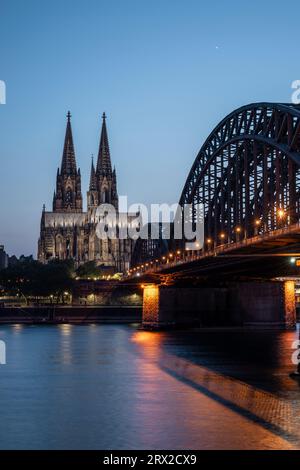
{"x":68,"y":232}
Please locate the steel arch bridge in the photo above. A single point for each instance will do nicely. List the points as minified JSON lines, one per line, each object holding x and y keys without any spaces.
{"x":148,"y":249}
{"x":247,"y":177}
{"x":247,"y":173}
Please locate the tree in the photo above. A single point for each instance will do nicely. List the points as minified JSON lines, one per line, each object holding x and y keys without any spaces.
{"x":32,"y":278}
{"x":89,"y":269}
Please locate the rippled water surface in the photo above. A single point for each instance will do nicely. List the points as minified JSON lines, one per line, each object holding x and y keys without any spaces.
{"x":115,"y":387}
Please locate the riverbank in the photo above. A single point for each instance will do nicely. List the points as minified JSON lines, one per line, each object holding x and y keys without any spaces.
{"x":71,"y":314}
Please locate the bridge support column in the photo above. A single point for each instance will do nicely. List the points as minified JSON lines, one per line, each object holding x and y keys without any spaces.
{"x":151,"y":306}
{"x":168,"y":306}
{"x":289,"y":304}
{"x":160,"y":306}
{"x":268,"y":304}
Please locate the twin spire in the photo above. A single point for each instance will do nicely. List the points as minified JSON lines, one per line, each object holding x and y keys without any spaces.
{"x":93,"y":177}
{"x":103,"y":162}
{"x":68,"y":164}
{"x":103,"y":181}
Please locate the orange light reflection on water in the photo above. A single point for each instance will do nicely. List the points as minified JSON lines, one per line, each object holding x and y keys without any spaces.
{"x":228,"y":392}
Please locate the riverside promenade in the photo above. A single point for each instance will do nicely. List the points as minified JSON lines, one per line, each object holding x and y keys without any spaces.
{"x":71,"y":314}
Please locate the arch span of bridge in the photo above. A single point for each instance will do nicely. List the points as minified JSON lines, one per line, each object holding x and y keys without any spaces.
{"x":246,"y":176}
{"x":247,"y":173}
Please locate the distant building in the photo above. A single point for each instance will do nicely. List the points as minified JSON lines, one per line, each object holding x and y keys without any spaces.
{"x":3,"y":258}
{"x":12,"y":260}
{"x":67,"y":232}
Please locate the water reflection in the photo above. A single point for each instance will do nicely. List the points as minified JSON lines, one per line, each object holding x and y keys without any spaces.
{"x":17,"y":328}
{"x":111,"y":386}
{"x":258,"y":405}
{"x":65,"y":351}
{"x":65,"y":329}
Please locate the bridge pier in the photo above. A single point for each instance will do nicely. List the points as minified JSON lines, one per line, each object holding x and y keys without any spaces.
{"x":290,"y":305}
{"x":250,"y":304}
{"x":151,"y":309}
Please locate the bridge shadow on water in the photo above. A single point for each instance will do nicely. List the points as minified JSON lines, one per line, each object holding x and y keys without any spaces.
{"x":245,"y":371}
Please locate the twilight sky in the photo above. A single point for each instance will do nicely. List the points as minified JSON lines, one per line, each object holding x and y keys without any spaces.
{"x":165,"y":72}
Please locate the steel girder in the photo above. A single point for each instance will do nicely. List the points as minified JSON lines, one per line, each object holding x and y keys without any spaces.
{"x":247,"y":173}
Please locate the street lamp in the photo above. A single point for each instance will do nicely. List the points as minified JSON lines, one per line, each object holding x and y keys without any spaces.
{"x":257,"y":223}
{"x":238,"y":231}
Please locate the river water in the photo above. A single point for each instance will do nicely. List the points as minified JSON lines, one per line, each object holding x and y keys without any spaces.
{"x":115,"y":387}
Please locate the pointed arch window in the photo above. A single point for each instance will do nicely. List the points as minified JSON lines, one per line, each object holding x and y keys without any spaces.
{"x":105,"y":198}
{"x":69,"y":197}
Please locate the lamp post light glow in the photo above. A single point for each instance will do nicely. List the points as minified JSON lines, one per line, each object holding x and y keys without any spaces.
{"x":209,"y":243}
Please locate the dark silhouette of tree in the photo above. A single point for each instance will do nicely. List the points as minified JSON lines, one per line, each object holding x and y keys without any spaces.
{"x":89,"y":269}
{"x":31,"y":278}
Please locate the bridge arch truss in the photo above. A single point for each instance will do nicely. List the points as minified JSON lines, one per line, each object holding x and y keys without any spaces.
{"x":247,"y":173}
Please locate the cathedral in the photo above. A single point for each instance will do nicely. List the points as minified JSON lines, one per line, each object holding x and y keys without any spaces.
{"x":68,"y":232}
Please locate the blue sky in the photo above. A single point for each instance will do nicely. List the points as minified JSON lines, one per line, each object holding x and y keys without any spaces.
{"x":165,"y":72}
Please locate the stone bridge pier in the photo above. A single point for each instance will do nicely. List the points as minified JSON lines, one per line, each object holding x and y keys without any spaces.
{"x":269,"y":304}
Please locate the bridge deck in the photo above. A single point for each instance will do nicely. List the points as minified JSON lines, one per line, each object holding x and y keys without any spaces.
{"x":261,"y":256}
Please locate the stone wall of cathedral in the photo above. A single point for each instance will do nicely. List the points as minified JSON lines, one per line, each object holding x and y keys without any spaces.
{"x":65,"y":236}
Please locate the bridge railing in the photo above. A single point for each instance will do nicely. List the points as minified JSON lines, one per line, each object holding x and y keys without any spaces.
{"x":181,"y":257}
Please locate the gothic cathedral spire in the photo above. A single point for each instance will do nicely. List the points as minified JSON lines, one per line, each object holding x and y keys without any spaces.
{"x":68,"y":197}
{"x":104,"y":163}
{"x":92,"y":194}
{"x":68,"y":164}
{"x":106,"y":180}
